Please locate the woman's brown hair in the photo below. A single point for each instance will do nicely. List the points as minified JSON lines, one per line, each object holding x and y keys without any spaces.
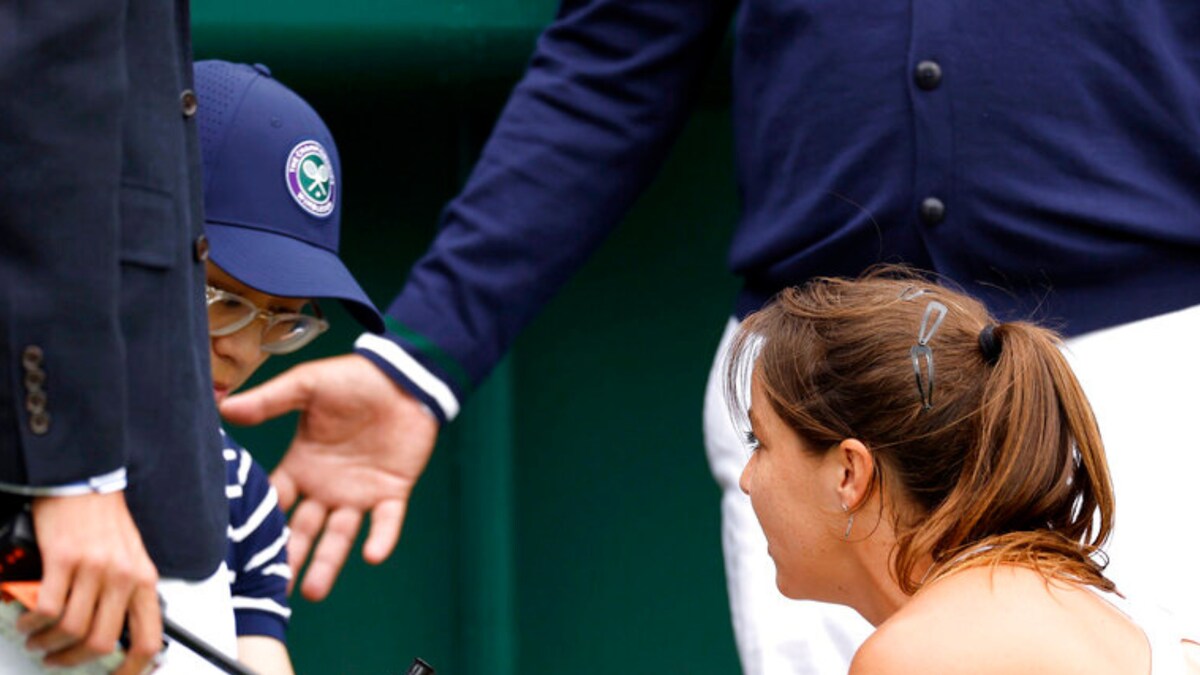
{"x":991,"y":440}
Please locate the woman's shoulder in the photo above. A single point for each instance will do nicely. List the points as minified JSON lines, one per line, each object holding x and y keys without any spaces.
{"x":1002,"y":619}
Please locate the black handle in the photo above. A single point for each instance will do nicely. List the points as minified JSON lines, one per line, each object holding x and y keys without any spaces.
{"x":203,"y":649}
{"x":419,"y":667}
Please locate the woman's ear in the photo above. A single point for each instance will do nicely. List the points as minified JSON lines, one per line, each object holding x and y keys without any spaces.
{"x":856,"y":467}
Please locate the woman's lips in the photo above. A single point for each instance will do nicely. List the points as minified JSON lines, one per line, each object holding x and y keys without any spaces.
{"x":220,"y":391}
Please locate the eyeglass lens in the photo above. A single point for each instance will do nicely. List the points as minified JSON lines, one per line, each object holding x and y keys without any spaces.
{"x":229,"y":313}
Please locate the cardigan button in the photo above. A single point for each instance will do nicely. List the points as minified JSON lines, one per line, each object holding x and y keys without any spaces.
{"x":928,"y":75}
{"x":932,"y":211}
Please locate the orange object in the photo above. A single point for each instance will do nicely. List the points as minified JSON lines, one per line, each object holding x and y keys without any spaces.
{"x":24,"y":592}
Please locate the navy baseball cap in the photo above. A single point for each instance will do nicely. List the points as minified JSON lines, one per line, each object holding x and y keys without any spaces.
{"x":272,"y":193}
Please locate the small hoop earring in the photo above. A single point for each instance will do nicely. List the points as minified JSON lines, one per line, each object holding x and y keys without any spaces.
{"x":849,"y":522}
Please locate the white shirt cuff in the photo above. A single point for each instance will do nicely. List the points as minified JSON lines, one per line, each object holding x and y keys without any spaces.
{"x":114,"y":481}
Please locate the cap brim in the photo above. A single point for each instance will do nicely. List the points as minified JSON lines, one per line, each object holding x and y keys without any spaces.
{"x":280,"y":265}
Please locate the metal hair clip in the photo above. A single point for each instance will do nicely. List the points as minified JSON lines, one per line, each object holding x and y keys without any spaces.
{"x":922,"y":355}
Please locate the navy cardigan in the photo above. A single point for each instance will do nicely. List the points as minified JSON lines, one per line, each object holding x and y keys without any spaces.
{"x":1046,"y":156}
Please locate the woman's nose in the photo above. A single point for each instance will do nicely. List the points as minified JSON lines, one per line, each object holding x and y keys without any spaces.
{"x":744,"y":481}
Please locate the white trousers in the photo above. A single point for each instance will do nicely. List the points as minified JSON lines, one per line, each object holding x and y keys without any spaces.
{"x":1138,"y":378}
{"x":203,"y":608}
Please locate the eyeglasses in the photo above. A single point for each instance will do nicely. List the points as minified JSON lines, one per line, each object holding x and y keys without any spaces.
{"x":285,"y":332}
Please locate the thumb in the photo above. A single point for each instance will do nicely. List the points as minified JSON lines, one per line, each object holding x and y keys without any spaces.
{"x":277,"y":396}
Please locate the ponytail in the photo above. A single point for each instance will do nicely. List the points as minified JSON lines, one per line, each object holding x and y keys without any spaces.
{"x":1003,"y":463}
{"x":1035,"y":489}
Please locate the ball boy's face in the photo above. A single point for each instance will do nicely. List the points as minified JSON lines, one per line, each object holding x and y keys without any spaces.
{"x":235,"y":357}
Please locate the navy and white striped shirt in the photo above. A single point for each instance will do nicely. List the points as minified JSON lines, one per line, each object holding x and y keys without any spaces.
{"x":257,"y":553}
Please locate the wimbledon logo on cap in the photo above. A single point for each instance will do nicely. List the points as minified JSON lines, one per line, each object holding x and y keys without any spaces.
{"x":310,"y":179}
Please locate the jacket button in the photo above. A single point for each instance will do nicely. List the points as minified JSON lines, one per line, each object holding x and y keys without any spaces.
{"x":933,"y":211}
{"x":34,"y":378}
{"x":200,"y":248}
{"x":35,"y":401}
{"x":928,"y":75}
{"x":39,"y":422}
{"x":188,"y":102}
{"x":31,"y":358}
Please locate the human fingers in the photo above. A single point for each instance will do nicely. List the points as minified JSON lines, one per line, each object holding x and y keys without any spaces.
{"x":51,"y":597}
{"x":282,"y":394}
{"x":285,"y":487}
{"x":138,"y":667}
{"x":387,"y":518}
{"x":145,"y":633}
{"x":331,"y":553}
{"x":106,"y":623}
{"x":93,"y":559}
{"x":305,"y":525}
{"x":75,"y":620}
{"x":129,"y":598}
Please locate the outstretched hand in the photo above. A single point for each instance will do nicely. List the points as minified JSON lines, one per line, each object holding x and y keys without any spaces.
{"x":360,"y":446}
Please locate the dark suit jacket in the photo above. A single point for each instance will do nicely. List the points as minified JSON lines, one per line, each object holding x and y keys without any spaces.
{"x":103,"y":336}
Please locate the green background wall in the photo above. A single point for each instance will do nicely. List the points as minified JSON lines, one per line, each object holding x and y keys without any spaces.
{"x":567,"y":522}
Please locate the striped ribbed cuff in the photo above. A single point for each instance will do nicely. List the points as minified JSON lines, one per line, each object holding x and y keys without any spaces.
{"x":410,"y":374}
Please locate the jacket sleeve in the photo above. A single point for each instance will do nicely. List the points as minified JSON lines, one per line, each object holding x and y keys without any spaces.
{"x":62,"y":387}
{"x":585,"y":130}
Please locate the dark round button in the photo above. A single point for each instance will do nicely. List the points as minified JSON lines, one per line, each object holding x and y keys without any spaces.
{"x":262,"y":70}
{"x":928,"y":75}
{"x":31,"y":358}
{"x":200,"y":248}
{"x":188,"y":102}
{"x":933,"y":211}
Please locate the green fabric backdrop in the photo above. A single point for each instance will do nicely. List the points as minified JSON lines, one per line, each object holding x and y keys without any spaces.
{"x":567,"y":522}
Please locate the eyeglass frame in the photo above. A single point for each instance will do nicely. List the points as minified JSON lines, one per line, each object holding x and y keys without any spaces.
{"x":213,"y":294}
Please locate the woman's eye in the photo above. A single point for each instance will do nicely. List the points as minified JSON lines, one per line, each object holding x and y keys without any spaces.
{"x":750,"y":440}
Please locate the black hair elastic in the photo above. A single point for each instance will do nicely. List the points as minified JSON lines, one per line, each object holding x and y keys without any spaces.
{"x":989,"y":345}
